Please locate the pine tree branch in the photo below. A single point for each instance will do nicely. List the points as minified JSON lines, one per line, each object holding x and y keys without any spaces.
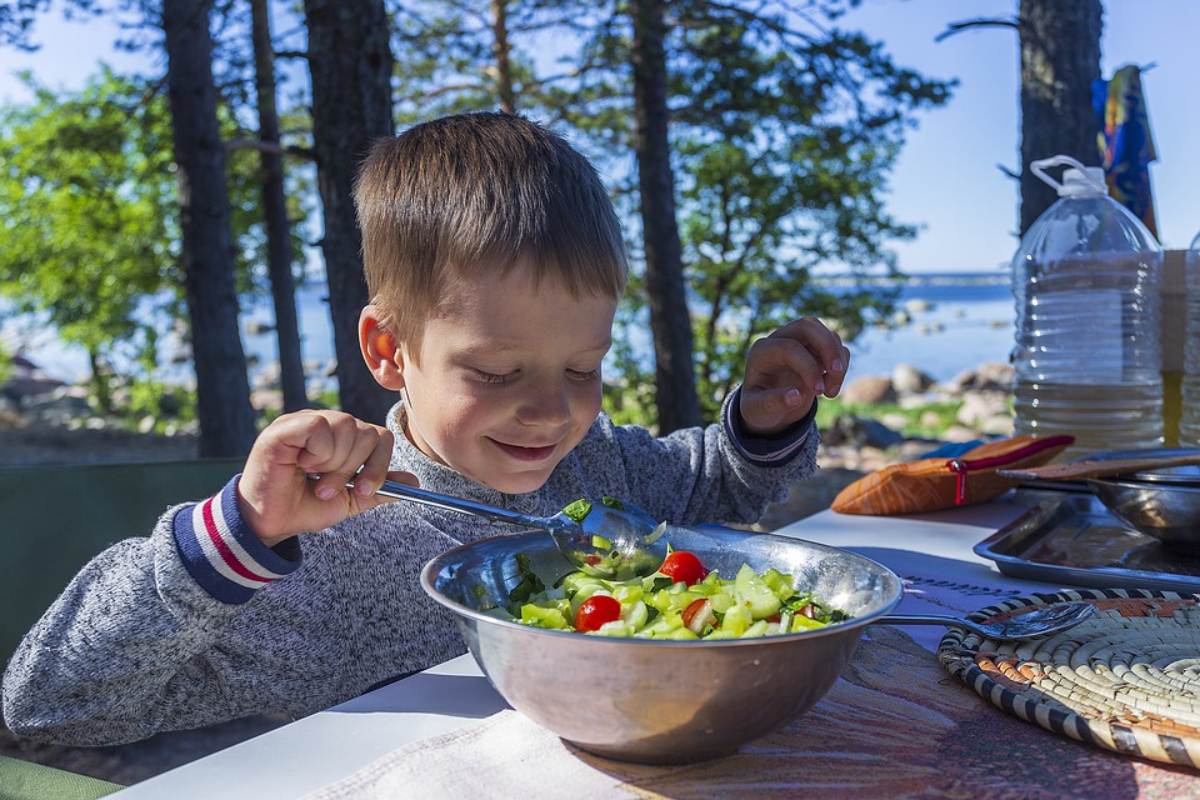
{"x":981,"y":22}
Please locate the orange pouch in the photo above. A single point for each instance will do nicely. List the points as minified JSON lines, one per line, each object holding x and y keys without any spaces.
{"x":932,"y":484}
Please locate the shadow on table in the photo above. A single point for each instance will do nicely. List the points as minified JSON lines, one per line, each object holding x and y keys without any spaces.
{"x":425,"y":693}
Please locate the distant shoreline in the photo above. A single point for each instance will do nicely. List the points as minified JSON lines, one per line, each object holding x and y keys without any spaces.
{"x":919,"y":279}
{"x":967,"y":339}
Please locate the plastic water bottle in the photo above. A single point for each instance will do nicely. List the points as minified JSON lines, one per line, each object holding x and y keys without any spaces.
{"x":1088,"y":353}
{"x":1189,"y":421}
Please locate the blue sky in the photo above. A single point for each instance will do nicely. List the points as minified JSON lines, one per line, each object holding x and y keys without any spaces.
{"x":946,"y":179}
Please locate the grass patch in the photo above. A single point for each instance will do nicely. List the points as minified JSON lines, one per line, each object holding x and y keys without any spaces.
{"x":945,"y":411}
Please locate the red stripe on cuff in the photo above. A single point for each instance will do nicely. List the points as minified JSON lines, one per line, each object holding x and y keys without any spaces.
{"x":231,"y":560}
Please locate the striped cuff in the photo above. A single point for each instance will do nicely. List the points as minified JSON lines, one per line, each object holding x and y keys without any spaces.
{"x":223,"y":554}
{"x":766,"y":451}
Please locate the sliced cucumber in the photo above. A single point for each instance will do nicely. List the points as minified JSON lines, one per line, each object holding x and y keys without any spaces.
{"x":752,"y":592}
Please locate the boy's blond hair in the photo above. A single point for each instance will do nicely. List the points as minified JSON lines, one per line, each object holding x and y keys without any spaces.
{"x":472,"y":192}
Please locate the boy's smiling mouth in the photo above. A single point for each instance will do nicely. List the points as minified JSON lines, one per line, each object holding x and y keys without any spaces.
{"x":523,"y":453}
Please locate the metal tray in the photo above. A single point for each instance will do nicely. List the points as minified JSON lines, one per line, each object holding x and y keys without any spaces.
{"x":1071,"y":538}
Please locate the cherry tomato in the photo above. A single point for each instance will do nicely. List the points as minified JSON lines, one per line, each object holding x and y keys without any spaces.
{"x":595,"y":611}
{"x":683,"y":566}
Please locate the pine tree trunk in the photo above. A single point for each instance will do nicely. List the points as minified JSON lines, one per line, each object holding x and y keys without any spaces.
{"x":351,"y":68}
{"x":500,"y":50}
{"x":223,"y":393}
{"x":100,"y":380}
{"x":1060,"y":57}
{"x":279,"y":250}
{"x":670,"y":323}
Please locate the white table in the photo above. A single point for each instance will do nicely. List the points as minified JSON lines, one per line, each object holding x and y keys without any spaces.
{"x":329,"y":745}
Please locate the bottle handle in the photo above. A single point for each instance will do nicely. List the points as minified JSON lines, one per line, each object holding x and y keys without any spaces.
{"x":1040,"y":166}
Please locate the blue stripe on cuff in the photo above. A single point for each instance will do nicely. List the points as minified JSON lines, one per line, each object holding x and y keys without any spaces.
{"x":766,"y":451}
{"x":282,"y":559}
{"x":197,"y":564}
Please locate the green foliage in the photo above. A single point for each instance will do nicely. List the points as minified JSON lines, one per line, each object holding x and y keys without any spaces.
{"x":87,"y":228}
{"x":945,"y":411}
{"x":165,"y":403}
{"x":784,"y":130}
{"x":786,"y":136}
{"x":5,"y":364}
{"x":89,"y":214}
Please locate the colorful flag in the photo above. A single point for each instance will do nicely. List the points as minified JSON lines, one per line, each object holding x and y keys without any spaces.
{"x":1126,"y":144}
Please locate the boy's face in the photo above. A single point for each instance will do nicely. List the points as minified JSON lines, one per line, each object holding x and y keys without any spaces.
{"x":508,"y":379}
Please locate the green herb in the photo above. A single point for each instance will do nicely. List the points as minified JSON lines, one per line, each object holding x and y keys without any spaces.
{"x":612,"y":502}
{"x":661,"y":583}
{"x":529,"y":583}
{"x":578,"y":510}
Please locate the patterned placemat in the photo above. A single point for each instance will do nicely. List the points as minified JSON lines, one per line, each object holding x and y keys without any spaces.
{"x":1127,"y":680}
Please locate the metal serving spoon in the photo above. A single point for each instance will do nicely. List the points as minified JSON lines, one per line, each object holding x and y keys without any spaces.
{"x":609,"y":542}
{"x":1031,"y":624}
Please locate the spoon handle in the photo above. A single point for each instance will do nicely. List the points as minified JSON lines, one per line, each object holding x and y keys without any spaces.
{"x":402,"y":491}
{"x":930,"y":619}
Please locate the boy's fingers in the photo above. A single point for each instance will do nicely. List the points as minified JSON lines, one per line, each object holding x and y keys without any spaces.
{"x":825,"y":346}
{"x":374,"y":469}
{"x":358,"y":446}
{"x":835,"y":378}
{"x":771,"y":357}
{"x":779,"y":402}
{"x":400,"y":476}
{"x":397,"y":476}
{"x":300,"y":439}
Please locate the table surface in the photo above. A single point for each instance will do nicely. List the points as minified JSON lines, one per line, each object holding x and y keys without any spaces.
{"x":319,"y":749}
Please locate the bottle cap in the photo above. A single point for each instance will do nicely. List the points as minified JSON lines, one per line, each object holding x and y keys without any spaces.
{"x":1078,"y":181}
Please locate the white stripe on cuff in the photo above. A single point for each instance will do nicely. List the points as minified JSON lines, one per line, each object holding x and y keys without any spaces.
{"x":200,"y":531}
{"x":247,"y":560}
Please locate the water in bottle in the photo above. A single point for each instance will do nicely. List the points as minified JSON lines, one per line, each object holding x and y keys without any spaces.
{"x":1189,"y":422}
{"x":1088,"y":354}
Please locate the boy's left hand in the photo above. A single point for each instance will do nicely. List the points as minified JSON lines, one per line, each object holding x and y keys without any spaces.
{"x":786,"y":371}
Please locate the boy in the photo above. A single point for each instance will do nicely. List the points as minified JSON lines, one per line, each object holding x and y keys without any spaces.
{"x":494,"y":262}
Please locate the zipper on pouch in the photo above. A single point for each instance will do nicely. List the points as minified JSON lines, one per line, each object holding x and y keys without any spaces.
{"x":961,"y":467}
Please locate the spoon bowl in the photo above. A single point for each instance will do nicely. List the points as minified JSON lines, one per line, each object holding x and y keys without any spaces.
{"x":603,"y":538}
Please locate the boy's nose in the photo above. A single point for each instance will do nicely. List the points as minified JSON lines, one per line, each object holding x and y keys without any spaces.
{"x":545,"y":406}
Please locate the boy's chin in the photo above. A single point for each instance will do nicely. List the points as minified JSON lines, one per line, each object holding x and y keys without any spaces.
{"x":519,"y":483}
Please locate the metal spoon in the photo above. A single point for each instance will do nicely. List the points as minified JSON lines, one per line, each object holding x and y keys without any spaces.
{"x":611,"y":543}
{"x":1029,"y":625}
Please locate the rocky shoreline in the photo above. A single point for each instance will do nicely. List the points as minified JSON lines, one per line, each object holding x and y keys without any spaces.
{"x":877,"y":420}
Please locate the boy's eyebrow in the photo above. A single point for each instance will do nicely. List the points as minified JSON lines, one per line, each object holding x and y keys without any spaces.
{"x":502,"y":347}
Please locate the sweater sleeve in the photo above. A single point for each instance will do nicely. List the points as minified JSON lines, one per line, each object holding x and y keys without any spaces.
{"x":134,"y":645}
{"x":718,"y":473}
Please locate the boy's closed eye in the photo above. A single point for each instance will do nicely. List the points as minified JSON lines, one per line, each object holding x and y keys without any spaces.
{"x":493,"y":377}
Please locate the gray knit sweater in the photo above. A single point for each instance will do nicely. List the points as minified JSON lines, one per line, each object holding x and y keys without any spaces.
{"x":159,"y":634}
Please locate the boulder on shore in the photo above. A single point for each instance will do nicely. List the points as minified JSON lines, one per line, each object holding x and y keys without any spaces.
{"x":870,"y":389}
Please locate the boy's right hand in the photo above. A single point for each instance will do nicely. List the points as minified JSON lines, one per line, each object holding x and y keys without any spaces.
{"x":276,"y":497}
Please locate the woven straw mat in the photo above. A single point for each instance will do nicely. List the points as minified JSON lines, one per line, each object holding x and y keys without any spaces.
{"x":1127,"y":679}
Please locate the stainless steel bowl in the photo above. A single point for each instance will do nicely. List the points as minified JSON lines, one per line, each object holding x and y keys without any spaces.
{"x":661,"y":702}
{"x":1168,"y":512}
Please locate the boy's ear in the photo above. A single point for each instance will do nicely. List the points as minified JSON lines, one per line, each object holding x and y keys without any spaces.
{"x":380,"y":350}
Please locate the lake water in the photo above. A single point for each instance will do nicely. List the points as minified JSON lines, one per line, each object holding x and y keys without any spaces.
{"x":968,"y":322}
